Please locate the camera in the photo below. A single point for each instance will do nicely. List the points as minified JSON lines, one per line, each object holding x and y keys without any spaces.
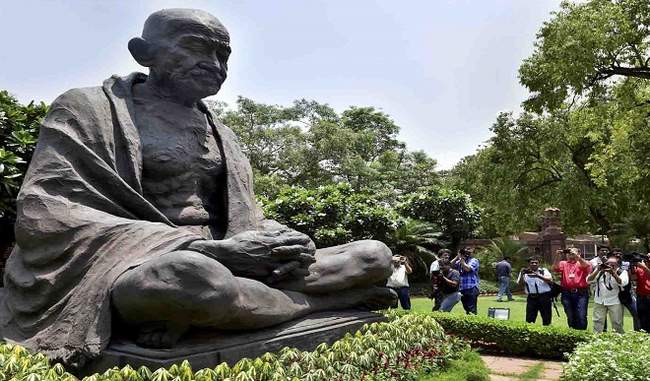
{"x":633,"y":257}
{"x":605,"y":266}
{"x":527,"y":271}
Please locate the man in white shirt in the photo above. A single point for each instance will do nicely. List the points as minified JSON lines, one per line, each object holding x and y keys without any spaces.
{"x":609,"y":280}
{"x":399,"y":281}
{"x":537,"y":282}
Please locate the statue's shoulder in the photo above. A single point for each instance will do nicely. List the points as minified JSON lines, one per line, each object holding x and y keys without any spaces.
{"x":82,"y":101}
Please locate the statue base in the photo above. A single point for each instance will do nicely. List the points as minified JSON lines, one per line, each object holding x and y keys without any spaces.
{"x":206,"y":349}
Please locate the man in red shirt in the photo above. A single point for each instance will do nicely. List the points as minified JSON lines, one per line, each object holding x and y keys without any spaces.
{"x":642,"y":273}
{"x":575,"y":288}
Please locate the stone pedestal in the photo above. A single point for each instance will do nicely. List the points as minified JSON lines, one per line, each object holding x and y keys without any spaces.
{"x":552,"y":236}
{"x":208,"y":349}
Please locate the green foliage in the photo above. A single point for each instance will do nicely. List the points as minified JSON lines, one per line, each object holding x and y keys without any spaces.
{"x":417,"y":241}
{"x":610,"y":357}
{"x":309,"y":144}
{"x":451,"y":210}
{"x":468,"y":367}
{"x":511,"y":337}
{"x":584,"y":45}
{"x":333,"y":214}
{"x":498,"y":249}
{"x":401,"y":349}
{"x":18,"y":132}
{"x":583,"y":148}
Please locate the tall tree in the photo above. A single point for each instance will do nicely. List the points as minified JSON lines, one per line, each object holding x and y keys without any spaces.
{"x":582,"y":47}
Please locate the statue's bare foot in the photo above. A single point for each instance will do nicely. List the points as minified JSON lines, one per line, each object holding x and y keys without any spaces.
{"x":160,"y":334}
{"x":379,"y":298}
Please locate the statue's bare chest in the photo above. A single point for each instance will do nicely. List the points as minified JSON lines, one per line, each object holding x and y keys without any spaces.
{"x":181,"y":161}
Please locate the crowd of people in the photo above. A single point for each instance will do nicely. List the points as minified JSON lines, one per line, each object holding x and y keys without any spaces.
{"x":616,"y":282}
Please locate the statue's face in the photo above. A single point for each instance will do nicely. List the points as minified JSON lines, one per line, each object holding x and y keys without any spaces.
{"x":194,"y":63}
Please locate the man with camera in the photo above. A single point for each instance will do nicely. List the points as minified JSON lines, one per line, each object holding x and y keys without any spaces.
{"x":626,"y":262}
{"x":468,"y":267}
{"x":575,"y":288}
{"x":641,"y":272}
{"x":447,"y":284}
{"x":399,"y":281}
{"x":609,"y":280}
{"x":537,"y":283}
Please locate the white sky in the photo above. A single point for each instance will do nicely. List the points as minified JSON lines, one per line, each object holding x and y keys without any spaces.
{"x":441,"y":69}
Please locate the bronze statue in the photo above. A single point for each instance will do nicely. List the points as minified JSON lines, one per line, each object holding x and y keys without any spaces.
{"x":138,"y":208}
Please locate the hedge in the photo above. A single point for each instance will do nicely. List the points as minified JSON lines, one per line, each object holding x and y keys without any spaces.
{"x":513,"y":338}
{"x":402,"y":349}
{"x":610,"y":357}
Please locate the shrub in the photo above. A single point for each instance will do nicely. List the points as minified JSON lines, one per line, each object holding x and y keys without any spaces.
{"x":610,"y":357}
{"x":450,"y":209}
{"x":400,"y":349}
{"x":513,"y":338}
{"x":333,"y":214}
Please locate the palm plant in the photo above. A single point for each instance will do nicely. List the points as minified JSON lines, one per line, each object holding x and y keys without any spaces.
{"x":417,"y":241}
{"x":498,"y":249}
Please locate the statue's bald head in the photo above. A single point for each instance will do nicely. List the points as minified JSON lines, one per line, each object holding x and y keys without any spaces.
{"x":168,"y":23}
{"x":186,"y":51}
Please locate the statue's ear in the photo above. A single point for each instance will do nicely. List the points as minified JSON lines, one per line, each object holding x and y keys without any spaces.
{"x":142,"y":51}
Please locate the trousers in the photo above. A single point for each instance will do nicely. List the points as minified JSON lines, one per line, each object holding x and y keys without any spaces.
{"x":539,"y":303}
{"x":615,"y":313}
{"x":575,"y":307}
{"x":469,"y":298}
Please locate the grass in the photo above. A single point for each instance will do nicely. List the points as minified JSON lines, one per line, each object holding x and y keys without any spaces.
{"x":533,"y":373}
{"x":517,"y":310}
{"x":469,"y":367}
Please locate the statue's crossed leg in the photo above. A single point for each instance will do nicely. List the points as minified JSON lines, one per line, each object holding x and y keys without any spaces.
{"x":165,"y":296}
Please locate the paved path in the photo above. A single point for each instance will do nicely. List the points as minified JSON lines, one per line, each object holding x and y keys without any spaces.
{"x":512,"y":368}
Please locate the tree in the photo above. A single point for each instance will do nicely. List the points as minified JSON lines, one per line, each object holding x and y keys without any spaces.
{"x":333,"y":214}
{"x":585,"y":45}
{"x":19,"y":126}
{"x":309,"y":144}
{"x":416,"y":240}
{"x":497,"y":250}
{"x":451,"y":210}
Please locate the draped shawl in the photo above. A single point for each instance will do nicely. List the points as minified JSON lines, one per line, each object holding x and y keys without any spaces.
{"x":83,"y":221}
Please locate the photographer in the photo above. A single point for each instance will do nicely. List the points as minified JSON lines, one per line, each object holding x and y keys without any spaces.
{"x":468,"y":267}
{"x":537,"y":282}
{"x":399,"y":281}
{"x":448,"y":283}
{"x":575,"y":289}
{"x":625,"y":296}
{"x":642,"y":274}
{"x":609,"y":280}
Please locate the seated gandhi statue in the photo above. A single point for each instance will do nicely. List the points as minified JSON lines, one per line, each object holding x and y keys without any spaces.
{"x":138,"y":208}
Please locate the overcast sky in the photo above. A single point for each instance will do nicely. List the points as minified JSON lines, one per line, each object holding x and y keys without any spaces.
{"x":441,"y":69}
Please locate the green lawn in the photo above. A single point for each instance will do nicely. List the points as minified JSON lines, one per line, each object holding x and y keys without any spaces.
{"x":469,"y":367}
{"x":517,"y":310}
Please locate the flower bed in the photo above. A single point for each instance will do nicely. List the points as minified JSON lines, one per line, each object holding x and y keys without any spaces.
{"x":402,"y":349}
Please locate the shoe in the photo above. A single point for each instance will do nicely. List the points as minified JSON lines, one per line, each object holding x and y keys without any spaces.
{"x":510,"y":300}
{"x":499,"y":300}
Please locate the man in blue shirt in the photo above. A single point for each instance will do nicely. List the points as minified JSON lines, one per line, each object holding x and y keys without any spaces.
{"x":468,"y":267}
{"x":504,"y":270}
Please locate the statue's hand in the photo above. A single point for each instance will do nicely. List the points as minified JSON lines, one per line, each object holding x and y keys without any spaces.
{"x":256,"y":254}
